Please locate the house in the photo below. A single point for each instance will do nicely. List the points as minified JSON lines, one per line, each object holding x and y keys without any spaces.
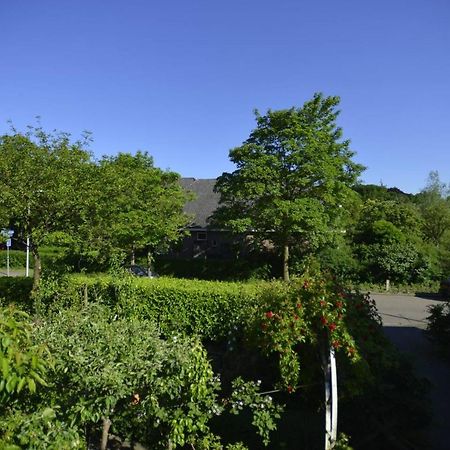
{"x":203,"y":241}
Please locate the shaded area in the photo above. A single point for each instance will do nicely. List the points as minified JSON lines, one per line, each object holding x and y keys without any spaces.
{"x":404,"y":319}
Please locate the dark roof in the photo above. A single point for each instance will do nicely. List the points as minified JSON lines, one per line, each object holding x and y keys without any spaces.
{"x":205,"y":203}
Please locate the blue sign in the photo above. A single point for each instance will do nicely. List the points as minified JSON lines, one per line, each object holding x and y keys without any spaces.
{"x":8,"y":243}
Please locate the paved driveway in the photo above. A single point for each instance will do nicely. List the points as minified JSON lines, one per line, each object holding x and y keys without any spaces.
{"x":404,"y":321}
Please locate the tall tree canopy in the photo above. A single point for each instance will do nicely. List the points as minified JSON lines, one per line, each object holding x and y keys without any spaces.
{"x":434,"y":201}
{"x":51,"y":188}
{"x":134,"y":206}
{"x":293,"y":178}
{"x":41,"y":176}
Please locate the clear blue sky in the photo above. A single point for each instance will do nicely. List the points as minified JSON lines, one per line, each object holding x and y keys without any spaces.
{"x":180,"y":78}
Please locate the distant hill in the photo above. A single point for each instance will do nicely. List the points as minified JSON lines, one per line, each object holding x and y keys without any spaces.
{"x":375,"y":192}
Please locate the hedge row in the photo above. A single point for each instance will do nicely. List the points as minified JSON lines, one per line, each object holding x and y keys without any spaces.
{"x":207,"y":308}
{"x":17,"y":258}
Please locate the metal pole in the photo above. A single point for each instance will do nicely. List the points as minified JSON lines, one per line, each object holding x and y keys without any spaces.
{"x":7,"y":260}
{"x":334,"y":397}
{"x":27,"y":269}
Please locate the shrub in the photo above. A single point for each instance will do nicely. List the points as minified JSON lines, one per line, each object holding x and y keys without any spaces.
{"x":17,"y":258}
{"x":16,"y":290}
{"x":22,"y":363}
{"x":206,"y":308}
{"x":438,"y":328}
{"x":119,"y":370}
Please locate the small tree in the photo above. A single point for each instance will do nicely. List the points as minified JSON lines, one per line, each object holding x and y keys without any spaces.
{"x":41,"y":175}
{"x":435,"y":207}
{"x":294,"y":173}
{"x":134,"y":207}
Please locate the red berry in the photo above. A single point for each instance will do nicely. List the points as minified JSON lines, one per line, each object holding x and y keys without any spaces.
{"x":269,"y":314}
{"x":336,"y":344}
{"x":332,"y":326}
{"x":323,"y":320}
{"x":295,"y":317}
{"x":290,"y":389}
{"x":299,"y":305}
{"x":306,"y":284}
{"x":323,"y":303}
{"x":339,"y":305}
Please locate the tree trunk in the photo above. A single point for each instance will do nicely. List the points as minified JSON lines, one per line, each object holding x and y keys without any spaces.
{"x":37,"y":268}
{"x":286,"y":262}
{"x":105,"y":432}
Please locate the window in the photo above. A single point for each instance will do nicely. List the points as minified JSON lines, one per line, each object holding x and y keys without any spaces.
{"x":201,"y":235}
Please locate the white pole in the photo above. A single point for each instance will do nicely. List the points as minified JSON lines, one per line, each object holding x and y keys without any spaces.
{"x":27,"y":269}
{"x":7,"y":260}
{"x":334,"y":397}
{"x":331,"y":400}
{"x":327,"y":384}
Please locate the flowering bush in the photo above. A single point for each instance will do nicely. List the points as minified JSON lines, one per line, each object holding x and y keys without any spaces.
{"x":312,"y":311}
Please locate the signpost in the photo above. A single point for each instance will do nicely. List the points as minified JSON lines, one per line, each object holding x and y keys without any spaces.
{"x":8,"y":245}
{"x":7,"y":234}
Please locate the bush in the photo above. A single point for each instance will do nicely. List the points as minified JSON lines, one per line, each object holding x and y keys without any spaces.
{"x":289,"y":323}
{"x":17,"y":259}
{"x":438,"y":328}
{"x":112,"y":377}
{"x":206,"y":308}
{"x":16,"y":290}
{"x":217,"y":269}
{"x":119,"y":370}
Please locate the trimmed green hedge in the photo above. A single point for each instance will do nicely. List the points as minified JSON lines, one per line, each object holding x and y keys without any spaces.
{"x":17,"y":258}
{"x":207,"y":308}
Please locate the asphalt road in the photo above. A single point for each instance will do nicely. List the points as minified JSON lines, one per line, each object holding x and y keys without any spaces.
{"x":404,"y":320}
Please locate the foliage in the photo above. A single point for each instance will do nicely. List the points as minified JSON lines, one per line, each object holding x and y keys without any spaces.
{"x":206,"y":308}
{"x":132,"y":206}
{"x":381,"y":193}
{"x":308,"y":314}
{"x":23,"y":364}
{"x":264,"y":410}
{"x":108,"y":367}
{"x":40,"y":179}
{"x":16,"y":290}
{"x":17,"y":259}
{"x":434,"y":201}
{"x":242,"y":269}
{"x":438,"y":328}
{"x":38,"y":430}
{"x":292,"y":178}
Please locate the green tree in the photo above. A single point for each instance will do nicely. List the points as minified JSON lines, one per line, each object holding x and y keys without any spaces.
{"x":294,"y":175}
{"x":134,"y":207}
{"x":434,"y":201}
{"x":41,"y":175}
{"x":388,"y":241}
